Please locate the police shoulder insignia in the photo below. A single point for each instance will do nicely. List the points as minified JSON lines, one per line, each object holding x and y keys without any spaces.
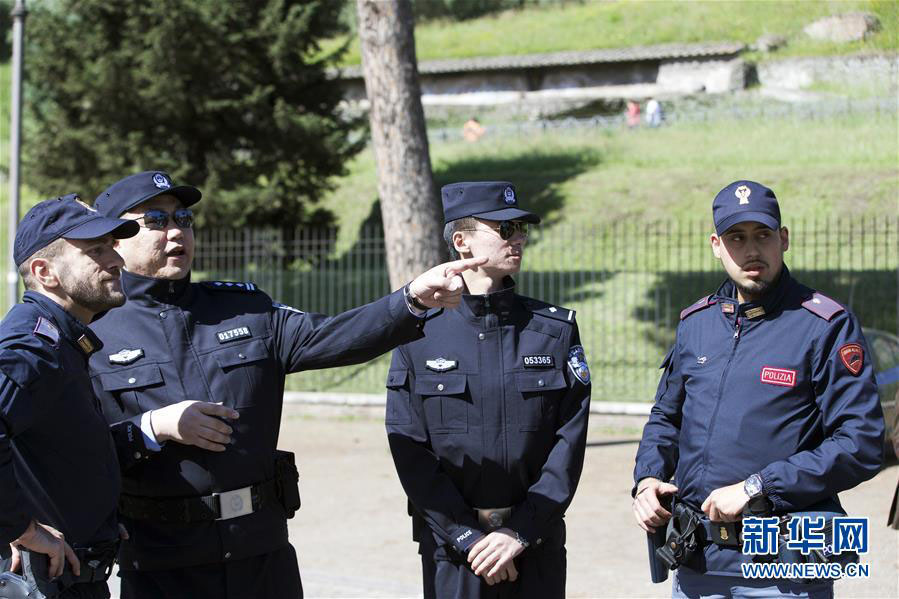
{"x":554,"y":312}
{"x":441,"y":364}
{"x":230,"y":286}
{"x":47,"y":330}
{"x":822,"y":306}
{"x":281,"y":306}
{"x":853,"y":357}
{"x":126,"y":356}
{"x":703,"y":303}
{"x":577,"y":362}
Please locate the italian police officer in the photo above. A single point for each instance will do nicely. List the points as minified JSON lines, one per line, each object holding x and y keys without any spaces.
{"x":767,"y":403}
{"x":59,"y":475}
{"x":201,"y":366}
{"x":487,"y":416}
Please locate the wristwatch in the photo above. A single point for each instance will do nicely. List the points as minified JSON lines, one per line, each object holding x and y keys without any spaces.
{"x":415,"y":306}
{"x":752,"y":486}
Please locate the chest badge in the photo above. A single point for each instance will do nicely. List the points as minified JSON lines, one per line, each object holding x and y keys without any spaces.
{"x":126,"y":356}
{"x":577,"y":362}
{"x":853,"y":357}
{"x":233,"y":334}
{"x":702,"y":360}
{"x":779,"y":376}
{"x":540,"y":361}
{"x":441,"y":365}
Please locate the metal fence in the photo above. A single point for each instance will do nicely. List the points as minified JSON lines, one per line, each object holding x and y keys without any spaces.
{"x":628,"y":282}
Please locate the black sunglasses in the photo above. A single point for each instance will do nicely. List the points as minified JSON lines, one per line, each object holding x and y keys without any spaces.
{"x":508,"y":228}
{"x":159,"y":219}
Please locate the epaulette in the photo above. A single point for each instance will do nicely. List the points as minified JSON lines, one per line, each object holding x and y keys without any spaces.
{"x":701,"y":304}
{"x":230,"y":286}
{"x":823,"y":306}
{"x":47,"y":330}
{"x":550,"y":311}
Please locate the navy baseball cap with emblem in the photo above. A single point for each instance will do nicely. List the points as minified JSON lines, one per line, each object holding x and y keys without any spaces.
{"x":493,"y":200}
{"x":68,"y":218}
{"x":743,"y":201}
{"x":127,"y":193}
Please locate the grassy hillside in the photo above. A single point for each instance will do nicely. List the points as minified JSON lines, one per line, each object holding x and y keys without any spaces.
{"x":631,"y":185}
{"x":597,"y":24}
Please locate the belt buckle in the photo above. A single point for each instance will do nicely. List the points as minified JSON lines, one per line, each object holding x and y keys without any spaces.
{"x":233,"y":504}
{"x":493,"y":518}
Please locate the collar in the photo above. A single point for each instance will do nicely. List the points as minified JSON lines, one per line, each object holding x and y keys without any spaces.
{"x":767,"y":304}
{"x":149,"y":290}
{"x":490,"y":303}
{"x":71,"y":328}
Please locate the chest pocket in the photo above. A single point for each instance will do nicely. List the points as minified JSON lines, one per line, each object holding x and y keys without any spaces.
{"x":129,"y":387}
{"x":540,"y":392}
{"x":445,"y":401}
{"x":245,"y":373}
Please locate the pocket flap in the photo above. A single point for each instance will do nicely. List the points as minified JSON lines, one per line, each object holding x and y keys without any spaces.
{"x":540,"y":380}
{"x":239,"y":355}
{"x":396,"y":378}
{"x":144,"y":375}
{"x":440,"y":384}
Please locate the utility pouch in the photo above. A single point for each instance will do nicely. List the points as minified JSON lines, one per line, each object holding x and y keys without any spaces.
{"x":683,"y":540}
{"x":288,"y":481}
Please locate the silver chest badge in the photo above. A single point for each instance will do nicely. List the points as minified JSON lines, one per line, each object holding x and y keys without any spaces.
{"x":441,"y":364}
{"x":126,"y":356}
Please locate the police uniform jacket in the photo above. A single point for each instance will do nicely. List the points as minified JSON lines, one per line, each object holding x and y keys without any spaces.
{"x":485,"y":412}
{"x":783,"y":387}
{"x":58,"y":462}
{"x":220,"y":342}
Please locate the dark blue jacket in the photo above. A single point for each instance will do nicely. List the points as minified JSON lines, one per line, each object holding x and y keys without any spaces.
{"x":763,"y":388}
{"x":501,"y":422}
{"x":227,"y":343}
{"x":58,"y":463}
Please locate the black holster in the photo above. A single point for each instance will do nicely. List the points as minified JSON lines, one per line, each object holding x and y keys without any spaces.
{"x":288,"y":481}
{"x":684,"y":536}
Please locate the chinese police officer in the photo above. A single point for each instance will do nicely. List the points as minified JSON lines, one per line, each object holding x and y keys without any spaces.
{"x":767,"y":403}
{"x":487,"y":416}
{"x":202,"y":365}
{"x":59,"y":475}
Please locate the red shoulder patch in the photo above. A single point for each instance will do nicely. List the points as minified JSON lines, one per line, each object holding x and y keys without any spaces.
{"x":703,"y":303}
{"x":853,"y":357}
{"x":823,"y":306}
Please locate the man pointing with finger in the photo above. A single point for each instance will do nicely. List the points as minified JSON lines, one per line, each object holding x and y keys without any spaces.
{"x":487,"y":417}
{"x":202,"y":367}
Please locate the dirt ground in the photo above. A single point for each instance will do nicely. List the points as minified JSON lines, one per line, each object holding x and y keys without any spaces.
{"x":352,"y":534}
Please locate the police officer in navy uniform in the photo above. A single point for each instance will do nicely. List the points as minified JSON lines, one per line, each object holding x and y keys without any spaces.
{"x":487,"y":417}
{"x":767,"y":402}
{"x":202,"y":367}
{"x":59,"y":475}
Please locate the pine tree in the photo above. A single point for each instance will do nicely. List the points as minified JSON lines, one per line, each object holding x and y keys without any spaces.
{"x":232,"y":97}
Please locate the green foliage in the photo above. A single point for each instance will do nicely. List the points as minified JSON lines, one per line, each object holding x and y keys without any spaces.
{"x":562,"y":26}
{"x":229,"y":96}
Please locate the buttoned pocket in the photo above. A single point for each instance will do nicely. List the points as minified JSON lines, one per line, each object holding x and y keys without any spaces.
{"x":445,"y":401}
{"x":398,"y":409}
{"x":128,"y":386}
{"x":539,"y":391}
{"x":246,"y":377}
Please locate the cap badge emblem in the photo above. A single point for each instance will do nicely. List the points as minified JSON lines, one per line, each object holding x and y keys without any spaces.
{"x":509,"y":195}
{"x":743,"y":193}
{"x":160,"y":181}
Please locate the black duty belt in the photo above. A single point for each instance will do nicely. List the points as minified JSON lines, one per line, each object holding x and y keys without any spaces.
{"x":218,"y":506}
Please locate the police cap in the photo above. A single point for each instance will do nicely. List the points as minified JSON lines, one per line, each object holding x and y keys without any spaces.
{"x":127,"y":193}
{"x":493,"y":200}
{"x":743,"y":201}
{"x":68,"y":218}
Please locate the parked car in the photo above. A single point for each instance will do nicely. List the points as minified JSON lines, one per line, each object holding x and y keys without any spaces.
{"x":885,"y":349}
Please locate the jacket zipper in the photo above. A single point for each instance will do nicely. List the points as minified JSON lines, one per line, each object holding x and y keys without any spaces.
{"x":733,"y":351}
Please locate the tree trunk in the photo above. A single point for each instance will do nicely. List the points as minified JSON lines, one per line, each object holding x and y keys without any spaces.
{"x":410,"y":204}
